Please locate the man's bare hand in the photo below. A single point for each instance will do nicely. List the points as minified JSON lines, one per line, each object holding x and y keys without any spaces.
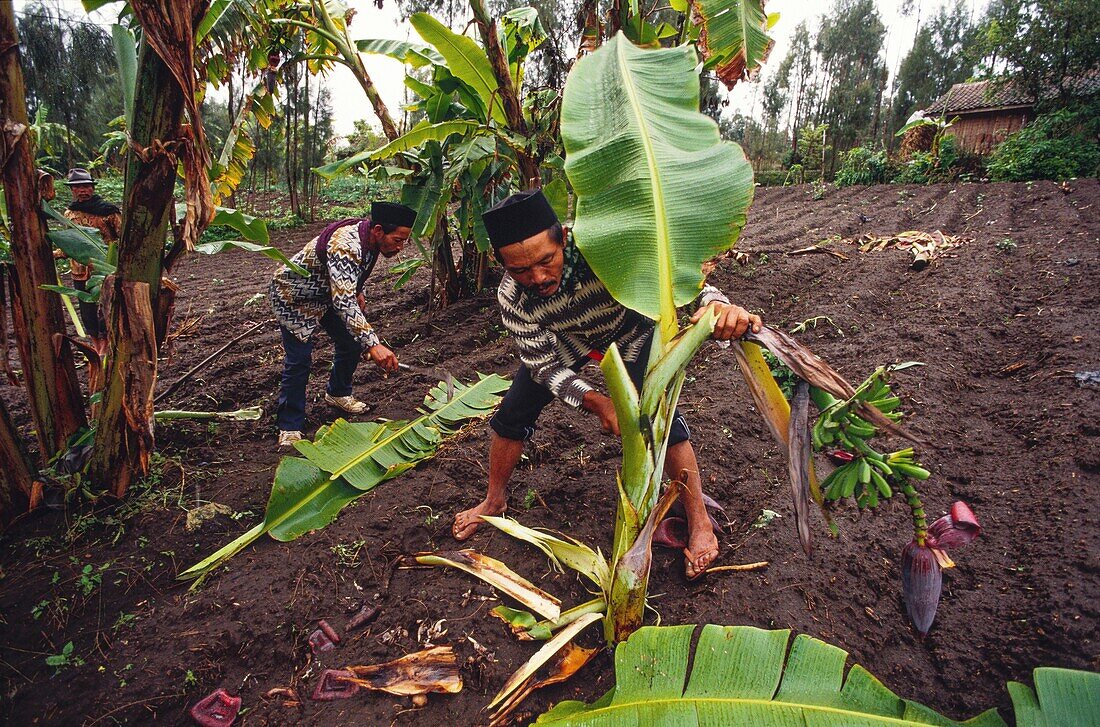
{"x":602,"y":407}
{"x":732,"y":321}
{"x":384,"y":358}
{"x":362,"y":301}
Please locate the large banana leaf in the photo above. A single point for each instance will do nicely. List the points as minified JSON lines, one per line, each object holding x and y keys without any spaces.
{"x":465,"y":59}
{"x":737,"y":676}
{"x":307,"y":496}
{"x":419,"y":134}
{"x":658,"y":191}
{"x":413,"y":54}
{"x":733,"y":37}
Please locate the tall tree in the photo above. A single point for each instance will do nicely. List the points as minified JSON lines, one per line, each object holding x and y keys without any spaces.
{"x":944,"y":53}
{"x":164,"y":87}
{"x":71,"y":72}
{"x":1047,"y":46}
{"x":850,"y":45}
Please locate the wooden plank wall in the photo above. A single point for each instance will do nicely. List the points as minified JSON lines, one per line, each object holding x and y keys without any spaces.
{"x":978,"y":133}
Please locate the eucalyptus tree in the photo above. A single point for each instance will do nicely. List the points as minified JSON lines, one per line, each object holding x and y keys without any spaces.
{"x":69,"y":69}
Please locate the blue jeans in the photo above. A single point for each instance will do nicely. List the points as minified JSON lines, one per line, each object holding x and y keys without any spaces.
{"x":291,"y":413}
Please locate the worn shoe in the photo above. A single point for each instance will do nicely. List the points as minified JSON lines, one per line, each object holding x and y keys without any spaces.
{"x":348,"y":403}
{"x":287,"y":439}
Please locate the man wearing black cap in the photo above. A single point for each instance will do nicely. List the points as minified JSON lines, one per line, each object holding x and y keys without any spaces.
{"x":339,"y":260}
{"x":561,"y":315}
{"x":88,"y":209}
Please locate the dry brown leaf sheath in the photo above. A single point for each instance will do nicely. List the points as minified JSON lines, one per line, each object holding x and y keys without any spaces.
{"x":422,"y":672}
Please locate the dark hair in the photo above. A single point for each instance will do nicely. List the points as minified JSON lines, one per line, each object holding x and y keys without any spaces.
{"x":557,"y":234}
{"x":387,"y":227}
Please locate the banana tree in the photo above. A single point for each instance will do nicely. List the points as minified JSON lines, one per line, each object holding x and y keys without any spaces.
{"x":744,"y":675}
{"x":656,"y":186}
{"x":476,"y":142}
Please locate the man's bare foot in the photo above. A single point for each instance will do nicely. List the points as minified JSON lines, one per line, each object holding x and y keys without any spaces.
{"x":701,"y":551}
{"x":468,"y":521}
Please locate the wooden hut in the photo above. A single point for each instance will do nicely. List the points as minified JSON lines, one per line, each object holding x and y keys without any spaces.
{"x":987,"y":111}
{"x":986,"y":114}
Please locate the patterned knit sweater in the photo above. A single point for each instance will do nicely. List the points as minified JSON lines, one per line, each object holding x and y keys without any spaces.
{"x":556,"y":333}
{"x":301,"y":302}
{"x":109,"y":226}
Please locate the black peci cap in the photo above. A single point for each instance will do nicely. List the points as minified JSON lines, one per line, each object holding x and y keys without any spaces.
{"x":391,"y":213}
{"x":523,"y":215}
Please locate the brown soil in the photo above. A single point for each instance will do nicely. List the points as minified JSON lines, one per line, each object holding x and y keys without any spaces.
{"x":1001,"y":329}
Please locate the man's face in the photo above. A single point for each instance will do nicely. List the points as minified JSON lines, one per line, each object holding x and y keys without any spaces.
{"x":83,"y":192}
{"x":390,"y":243}
{"x":536,"y":263}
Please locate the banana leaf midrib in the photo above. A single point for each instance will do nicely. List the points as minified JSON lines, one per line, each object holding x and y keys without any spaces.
{"x":664,"y":264}
{"x":686,"y":702}
{"x":421,"y":420}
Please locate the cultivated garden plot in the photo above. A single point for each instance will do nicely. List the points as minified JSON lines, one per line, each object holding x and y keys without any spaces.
{"x":1002,"y":325}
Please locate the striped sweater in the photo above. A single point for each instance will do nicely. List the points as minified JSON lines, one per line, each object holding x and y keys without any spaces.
{"x":301,"y":302}
{"x":556,"y":333}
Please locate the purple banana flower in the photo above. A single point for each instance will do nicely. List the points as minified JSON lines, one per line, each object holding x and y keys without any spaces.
{"x":218,"y":709}
{"x":921,"y":583}
{"x":922,"y":565}
{"x":956,"y":529}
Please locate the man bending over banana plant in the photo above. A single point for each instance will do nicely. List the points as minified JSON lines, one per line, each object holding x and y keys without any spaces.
{"x":561,"y":315}
{"x":339,"y":261}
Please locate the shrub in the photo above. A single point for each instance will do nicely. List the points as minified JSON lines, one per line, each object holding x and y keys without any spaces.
{"x":1058,"y":145}
{"x":863,"y":166}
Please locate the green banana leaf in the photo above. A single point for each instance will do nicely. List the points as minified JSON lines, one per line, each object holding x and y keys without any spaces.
{"x":126,"y":57}
{"x":655,"y":184}
{"x":212,"y":248}
{"x":734,"y":37}
{"x":465,"y":59}
{"x":413,"y":54}
{"x":416,"y":136}
{"x":306,"y":497}
{"x":741,"y":675}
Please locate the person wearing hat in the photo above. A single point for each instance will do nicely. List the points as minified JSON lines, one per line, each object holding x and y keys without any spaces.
{"x":339,"y":260}
{"x":88,"y":209}
{"x":561,"y":316}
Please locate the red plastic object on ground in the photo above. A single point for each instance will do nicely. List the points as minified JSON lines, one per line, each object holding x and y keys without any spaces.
{"x":333,"y":685}
{"x":216,"y":710}
{"x":324,"y":638}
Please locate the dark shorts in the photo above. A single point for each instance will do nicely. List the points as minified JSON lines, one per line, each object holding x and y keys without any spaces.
{"x":526,"y":398}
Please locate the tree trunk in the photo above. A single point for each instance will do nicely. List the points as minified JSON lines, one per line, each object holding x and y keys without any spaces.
{"x":443,"y":265}
{"x":509,"y":97}
{"x":53,"y":391}
{"x":124,"y":435}
{"x":16,"y":476}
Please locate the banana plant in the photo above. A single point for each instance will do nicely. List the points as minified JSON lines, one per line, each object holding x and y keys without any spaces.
{"x":655,"y":186}
{"x":473,"y":144}
{"x":347,"y":460}
{"x":744,"y":675}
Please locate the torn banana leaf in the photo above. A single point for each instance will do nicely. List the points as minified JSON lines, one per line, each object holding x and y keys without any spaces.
{"x":433,"y":670}
{"x":798,"y":462}
{"x":499,"y":576}
{"x":305,"y":496}
{"x":543,"y":655}
{"x":561,"y":549}
{"x":567,"y":663}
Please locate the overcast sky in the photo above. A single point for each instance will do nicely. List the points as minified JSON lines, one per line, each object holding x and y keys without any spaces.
{"x":349,"y":102}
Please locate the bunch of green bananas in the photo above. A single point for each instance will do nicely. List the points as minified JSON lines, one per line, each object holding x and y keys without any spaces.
{"x":868,"y":476}
{"x":840,"y":425}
